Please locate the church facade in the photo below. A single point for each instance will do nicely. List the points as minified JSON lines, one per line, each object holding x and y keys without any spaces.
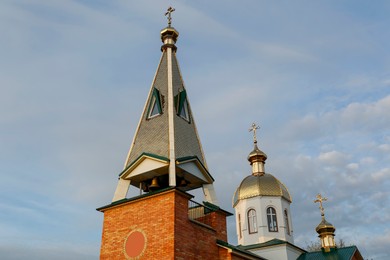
{"x":165,"y":161}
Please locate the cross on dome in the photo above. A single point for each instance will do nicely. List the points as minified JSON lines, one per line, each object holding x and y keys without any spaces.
{"x":253,"y":128}
{"x":320,"y":199}
{"x":170,"y":10}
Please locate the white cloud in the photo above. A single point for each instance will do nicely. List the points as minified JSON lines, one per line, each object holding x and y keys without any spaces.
{"x":382,"y":175}
{"x":353,"y":166}
{"x":384,"y":147}
{"x":368,"y":160}
{"x":334,"y":158}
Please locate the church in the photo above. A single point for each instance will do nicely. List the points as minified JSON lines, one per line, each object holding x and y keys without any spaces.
{"x":166,"y":161}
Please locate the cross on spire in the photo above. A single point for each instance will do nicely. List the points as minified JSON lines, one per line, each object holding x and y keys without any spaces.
{"x":320,"y":199}
{"x":168,"y":14}
{"x":253,"y":128}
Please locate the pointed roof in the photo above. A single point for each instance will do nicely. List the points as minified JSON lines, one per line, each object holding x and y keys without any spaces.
{"x":152,"y":135}
{"x":166,"y":135}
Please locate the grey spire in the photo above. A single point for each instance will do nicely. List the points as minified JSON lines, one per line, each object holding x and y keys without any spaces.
{"x":166,"y":147}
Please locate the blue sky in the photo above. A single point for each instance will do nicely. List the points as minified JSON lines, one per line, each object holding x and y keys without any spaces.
{"x":74,"y":76}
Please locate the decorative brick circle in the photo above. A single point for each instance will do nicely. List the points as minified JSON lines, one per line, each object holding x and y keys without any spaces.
{"x":135,"y":244}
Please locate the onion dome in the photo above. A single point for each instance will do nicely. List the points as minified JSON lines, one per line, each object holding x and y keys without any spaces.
{"x":257,"y":154}
{"x":261,"y":185}
{"x":325,"y":226}
{"x":326,"y":234}
{"x":257,"y":160}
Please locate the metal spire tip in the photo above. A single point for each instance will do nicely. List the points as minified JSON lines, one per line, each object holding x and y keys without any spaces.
{"x":168,"y":14}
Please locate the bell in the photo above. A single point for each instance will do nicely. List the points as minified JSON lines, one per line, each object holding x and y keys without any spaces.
{"x":154,"y":185}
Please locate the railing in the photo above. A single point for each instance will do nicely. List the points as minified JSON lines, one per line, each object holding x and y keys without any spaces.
{"x":199,"y":212}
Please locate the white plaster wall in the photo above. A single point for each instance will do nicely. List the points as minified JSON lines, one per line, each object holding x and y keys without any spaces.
{"x":279,"y":252}
{"x":293,"y":253}
{"x":286,"y":205}
{"x":260,"y":204}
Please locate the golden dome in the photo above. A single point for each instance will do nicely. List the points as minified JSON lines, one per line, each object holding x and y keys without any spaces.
{"x":260,"y":185}
{"x":257,"y":154}
{"x":325,"y":226}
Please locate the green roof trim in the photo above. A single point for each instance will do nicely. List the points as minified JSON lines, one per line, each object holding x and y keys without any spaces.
{"x":273,"y":242}
{"x":235,"y":248}
{"x":188,"y":158}
{"x":216,"y":208}
{"x":144,"y":154}
{"x":344,"y":253}
{"x":118,"y":202}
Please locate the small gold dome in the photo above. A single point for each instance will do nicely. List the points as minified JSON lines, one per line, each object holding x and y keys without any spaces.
{"x":169,"y":32}
{"x":169,"y":37}
{"x":260,"y":185}
{"x":325,"y":226}
{"x":257,"y":154}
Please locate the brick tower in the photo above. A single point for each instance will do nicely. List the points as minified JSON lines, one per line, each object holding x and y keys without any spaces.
{"x":165,"y":161}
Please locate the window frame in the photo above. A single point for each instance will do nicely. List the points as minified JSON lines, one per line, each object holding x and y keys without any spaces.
{"x":182,"y":106}
{"x":272,"y":219}
{"x":154,"y":101}
{"x":252,"y":221}
{"x":239,"y":226}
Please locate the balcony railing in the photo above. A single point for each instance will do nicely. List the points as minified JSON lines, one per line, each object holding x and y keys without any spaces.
{"x":200,"y":213}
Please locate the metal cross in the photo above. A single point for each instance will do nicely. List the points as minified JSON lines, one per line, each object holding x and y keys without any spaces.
{"x":254,"y":128}
{"x":168,"y":13}
{"x":320,"y":199}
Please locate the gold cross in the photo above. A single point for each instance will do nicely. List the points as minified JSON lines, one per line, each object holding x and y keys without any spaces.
{"x":254,"y":128}
{"x":168,"y":13}
{"x":320,"y":199}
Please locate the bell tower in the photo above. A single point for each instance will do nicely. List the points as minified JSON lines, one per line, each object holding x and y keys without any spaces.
{"x":166,"y":149}
{"x":165,"y":161}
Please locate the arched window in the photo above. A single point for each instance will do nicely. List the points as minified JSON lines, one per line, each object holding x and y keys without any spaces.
{"x":286,"y":220}
{"x":252,"y":221}
{"x":272,"y":221}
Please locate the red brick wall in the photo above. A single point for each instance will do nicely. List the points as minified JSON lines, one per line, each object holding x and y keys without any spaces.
{"x":164,"y":220}
{"x":194,"y":241}
{"x":154,"y":215}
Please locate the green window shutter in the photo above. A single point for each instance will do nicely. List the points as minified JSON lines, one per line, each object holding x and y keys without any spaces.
{"x":155,"y":107}
{"x":182,"y":105}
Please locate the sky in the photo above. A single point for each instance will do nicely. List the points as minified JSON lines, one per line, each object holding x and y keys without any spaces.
{"x":74,"y":76}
